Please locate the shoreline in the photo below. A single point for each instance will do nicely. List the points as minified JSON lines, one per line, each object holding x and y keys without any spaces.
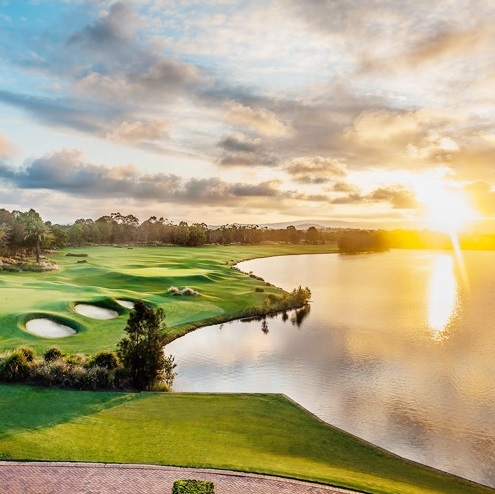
{"x":222,"y":320}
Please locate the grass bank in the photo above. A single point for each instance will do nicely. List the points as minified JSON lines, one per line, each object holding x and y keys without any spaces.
{"x":254,"y":433}
{"x":111,"y":273}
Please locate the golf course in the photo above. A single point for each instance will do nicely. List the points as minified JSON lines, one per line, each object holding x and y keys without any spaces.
{"x":254,"y":433}
{"x":102,"y":276}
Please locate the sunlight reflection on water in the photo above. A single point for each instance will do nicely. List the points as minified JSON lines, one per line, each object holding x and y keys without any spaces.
{"x":442,"y":295}
{"x":395,"y":349}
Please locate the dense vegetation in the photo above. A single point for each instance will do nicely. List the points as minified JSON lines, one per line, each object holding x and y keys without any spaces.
{"x":139,"y":364}
{"x":25,"y":233}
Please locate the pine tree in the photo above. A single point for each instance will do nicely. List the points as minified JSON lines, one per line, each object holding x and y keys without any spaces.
{"x":142,"y":351}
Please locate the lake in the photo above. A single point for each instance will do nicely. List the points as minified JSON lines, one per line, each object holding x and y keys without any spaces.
{"x":397,"y":348}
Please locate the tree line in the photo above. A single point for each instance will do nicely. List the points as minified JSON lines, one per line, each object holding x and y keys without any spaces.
{"x":26,"y":232}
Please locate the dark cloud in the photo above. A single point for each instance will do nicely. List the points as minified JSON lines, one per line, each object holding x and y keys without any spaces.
{"x":60,"y":111}
{"x":315,"y":170}
{"x":247,"y":159}
{"x":240,"y":150}
{"x":109,"y":32}
{"x":240,"y":143}
{"x":67,"y":171}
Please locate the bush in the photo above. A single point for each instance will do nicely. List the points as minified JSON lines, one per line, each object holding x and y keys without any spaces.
{"x":187,"y":291}
{"x":259,"y":289}
{"x":52,"y":354}
{"x":29,"y":353}
{"x":105,"y":359}
{"x":15,"y":368}
{"x":77,"y":359}
{"x":193,"y":487}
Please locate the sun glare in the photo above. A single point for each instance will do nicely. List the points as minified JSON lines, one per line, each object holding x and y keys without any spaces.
{"x":446,"y":209}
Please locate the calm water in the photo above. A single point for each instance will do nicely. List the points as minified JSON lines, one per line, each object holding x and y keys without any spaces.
{"x":398,"y":348}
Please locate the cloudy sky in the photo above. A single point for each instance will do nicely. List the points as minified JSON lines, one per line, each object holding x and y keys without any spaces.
{"x":234,"y":111}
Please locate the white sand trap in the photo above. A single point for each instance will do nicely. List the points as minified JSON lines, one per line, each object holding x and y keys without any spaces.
{"x":126,"y":303}
{"x":46,"y":328}
{"x":95,"y":312}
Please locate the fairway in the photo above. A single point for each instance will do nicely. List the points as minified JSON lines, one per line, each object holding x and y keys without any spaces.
{"x":111,"y":273}
{"x":254,"y":433}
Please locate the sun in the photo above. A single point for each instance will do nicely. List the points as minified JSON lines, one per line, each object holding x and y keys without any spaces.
{"x":446,"y":209}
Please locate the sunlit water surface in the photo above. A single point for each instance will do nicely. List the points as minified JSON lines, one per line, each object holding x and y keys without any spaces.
{"x":398,"y":348}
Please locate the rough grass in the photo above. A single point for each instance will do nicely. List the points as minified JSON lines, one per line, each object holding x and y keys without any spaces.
{"x":256,"y":433}
{"x":139,"y":273}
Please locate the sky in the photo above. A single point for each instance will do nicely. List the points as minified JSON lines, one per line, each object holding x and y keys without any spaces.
{"x":374,"y":112}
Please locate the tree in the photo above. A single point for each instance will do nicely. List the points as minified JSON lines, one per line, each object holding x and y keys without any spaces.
{"x":141,"y":352}
{"x":35,"y":231}
{"x":312,"y":235}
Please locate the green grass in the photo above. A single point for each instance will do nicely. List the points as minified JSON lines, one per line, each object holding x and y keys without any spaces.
{"x":140,"y":273}
{"x":255,"y":433}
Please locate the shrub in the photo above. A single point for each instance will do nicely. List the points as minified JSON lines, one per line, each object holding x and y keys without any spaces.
{"x":29,"y":353}
{"x":274,"y":298}
{"x":105,"y":359}
{"x":72,"y":254}
{"x":52,"y":354}
{"x":259,"y":289}
{"x":15,"y":368}
{"x":187,"y":291}
{"x":193,"y":487}
{"x":77,"y":359}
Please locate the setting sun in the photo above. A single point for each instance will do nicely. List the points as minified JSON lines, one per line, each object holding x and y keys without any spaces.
{"x":445,"y":209}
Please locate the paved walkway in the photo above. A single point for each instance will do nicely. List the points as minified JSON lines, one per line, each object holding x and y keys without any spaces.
{"x":97,"y":478}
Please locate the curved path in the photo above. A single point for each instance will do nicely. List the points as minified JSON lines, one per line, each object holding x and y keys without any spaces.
{"x":101,"y":478}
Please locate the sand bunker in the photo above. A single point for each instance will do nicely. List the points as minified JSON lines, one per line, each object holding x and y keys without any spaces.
{"x":47,"y":328}
{"x":126,"y":303}
{"x":95,"y":312}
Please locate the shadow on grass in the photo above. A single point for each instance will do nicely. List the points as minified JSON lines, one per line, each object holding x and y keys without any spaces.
{"x":26,"y":408}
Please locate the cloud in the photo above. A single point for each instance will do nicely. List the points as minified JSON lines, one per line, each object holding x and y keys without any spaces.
{"x":447,"y":44}
{"x":139,"y":132}
{"x":68,"y":171}
{"x":240,"y":143}
{"x":110,"y":31}
{"x":315,"y":170}
{"x":6,"y":146}
{"x":260,"y":120}
{"x":62,"y":112}
{"x":382,"y":126}
{"x":240,"y":150}
{"x":398,"y":196}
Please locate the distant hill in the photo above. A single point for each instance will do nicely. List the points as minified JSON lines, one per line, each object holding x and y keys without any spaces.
{"x":305,"y":224}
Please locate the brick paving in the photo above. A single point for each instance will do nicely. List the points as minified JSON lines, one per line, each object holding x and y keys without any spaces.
{"x":98,"y":478}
